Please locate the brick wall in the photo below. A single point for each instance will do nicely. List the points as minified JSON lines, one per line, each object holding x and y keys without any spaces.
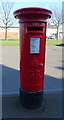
{"x":12,"y":33}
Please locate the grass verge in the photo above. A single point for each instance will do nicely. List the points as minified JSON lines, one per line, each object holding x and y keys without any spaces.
{"x":54,"y":42}
{"x":16,"y":42}
{"x":9,"y":42}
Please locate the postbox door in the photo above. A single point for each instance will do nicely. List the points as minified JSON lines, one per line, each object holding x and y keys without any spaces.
{"x":33,"y":59}
{"x":32,"y":74}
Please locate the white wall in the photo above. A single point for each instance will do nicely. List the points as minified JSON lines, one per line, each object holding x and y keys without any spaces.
{"x":49,"y":32}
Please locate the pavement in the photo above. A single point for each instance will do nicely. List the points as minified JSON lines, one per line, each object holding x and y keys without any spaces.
{"x":52,"y":99}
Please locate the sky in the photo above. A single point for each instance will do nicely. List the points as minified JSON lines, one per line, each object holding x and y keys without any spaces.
{"x":33,"y":0}
{"x":37,"y":3}
{"x":48,"y":4}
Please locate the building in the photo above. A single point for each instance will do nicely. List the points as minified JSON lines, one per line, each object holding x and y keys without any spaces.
{"x":13,"y":32}
{"x":52,"y":31}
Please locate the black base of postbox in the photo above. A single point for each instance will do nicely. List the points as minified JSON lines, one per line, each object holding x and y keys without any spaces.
{"x":31,"y":99}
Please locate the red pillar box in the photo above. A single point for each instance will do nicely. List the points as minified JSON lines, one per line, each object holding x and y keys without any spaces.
{"x":32,"y":53}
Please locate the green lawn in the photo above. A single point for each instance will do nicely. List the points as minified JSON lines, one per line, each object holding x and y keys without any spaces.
{"x":16,"y":42}
{"x":9,"y":42}
{"x":54,"y":42}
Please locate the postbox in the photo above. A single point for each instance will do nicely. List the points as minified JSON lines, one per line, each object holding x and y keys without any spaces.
{"x":32,"y":53}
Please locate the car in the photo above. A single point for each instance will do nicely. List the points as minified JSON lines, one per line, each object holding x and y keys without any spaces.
{"x":51,"y":37}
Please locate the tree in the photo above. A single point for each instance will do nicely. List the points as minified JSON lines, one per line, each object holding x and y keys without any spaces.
{"x":57,"y":19}
{"x":6,"y":17}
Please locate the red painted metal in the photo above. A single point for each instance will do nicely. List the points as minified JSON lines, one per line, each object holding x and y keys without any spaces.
{"x":32,"y":26}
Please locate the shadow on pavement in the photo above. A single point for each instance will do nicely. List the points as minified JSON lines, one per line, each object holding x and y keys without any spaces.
{"x":61,"y":68}
{"x":62,"y":45}
{"x":10,"y":80}
{"x":11,"y":108}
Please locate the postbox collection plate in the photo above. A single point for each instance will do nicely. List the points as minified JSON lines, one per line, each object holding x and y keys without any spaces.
{"x":34,"y":44}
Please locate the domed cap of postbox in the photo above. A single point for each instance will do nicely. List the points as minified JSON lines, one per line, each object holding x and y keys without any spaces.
{"x":32,"y":14}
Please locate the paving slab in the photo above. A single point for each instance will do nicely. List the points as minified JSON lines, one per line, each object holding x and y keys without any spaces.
{"x":51,"y":107}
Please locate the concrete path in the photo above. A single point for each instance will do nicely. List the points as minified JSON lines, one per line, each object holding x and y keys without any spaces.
{"x":52,"y":100}
{"x":10,"y":69}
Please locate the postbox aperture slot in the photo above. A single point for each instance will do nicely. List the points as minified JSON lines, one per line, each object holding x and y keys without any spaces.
{"x":35,"y":28}
{"x":34,"y":45}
